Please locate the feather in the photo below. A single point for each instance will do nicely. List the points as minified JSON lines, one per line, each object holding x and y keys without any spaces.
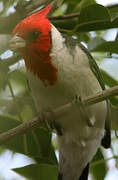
{"x":85,"y":172}
{"x":60,"y":176}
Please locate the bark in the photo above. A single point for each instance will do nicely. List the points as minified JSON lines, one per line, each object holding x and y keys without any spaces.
{"x":39,"y":121}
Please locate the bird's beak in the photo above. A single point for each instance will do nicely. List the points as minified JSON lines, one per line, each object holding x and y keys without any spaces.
{"x":17,"y":42}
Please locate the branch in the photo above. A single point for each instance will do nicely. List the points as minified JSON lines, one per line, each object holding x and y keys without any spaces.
{"x":69,"y":16}
{"x":75,"y":15}
{"x":39,"y":121}
{"x":112,"y":6}
{"x":7,"y":23}
{"x":11,"y":60}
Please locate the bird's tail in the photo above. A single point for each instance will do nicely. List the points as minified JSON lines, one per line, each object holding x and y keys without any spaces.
{"x":84,"y":175}
{"x":60,"y":176}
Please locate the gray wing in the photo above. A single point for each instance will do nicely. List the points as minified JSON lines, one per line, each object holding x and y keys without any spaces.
{"x":106,"y":141}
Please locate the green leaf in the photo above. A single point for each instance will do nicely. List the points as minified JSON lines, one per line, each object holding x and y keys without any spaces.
{"x":113,"y":12}
{"x":38,"y":172}
{"x":98,"y":167}
{"x":3,"y":75}
{"x":67,"y":24}
{"x":114,"y":101}
{"x":6,"y":123}
{"x":110,"y":81}
{"x":36,"y":143}
{"x":83,"y":4}
{"x":94,"y":12}
{"x":71,"y":5}
{"x":93,"y":17}
{"x":19,"y":76}
{"x":82,"y":36}
{"x":109,"y":46}
{"x":19,"y":79}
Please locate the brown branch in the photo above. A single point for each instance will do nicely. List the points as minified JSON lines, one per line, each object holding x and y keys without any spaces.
{"x":7,"y":23}
{"x":69,"y":16}
{"x":75,"y":15}
{"x":112,"y":6}
{"x":39,"y":121}
{"x":20,"y":130}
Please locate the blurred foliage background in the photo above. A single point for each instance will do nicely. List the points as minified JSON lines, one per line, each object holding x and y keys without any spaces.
{"x":90,"y":23}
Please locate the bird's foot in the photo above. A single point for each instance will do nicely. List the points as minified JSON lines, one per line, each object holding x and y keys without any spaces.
{"x":82,"y":108}
{"x":48,"y":117}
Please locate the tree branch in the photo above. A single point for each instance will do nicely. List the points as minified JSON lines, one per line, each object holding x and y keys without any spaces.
{"x":39,"y":121}
{"x":7,"y":23}
{"x":112,"y":6}
{"x":75,"y":15}
{"x":69,"y":16}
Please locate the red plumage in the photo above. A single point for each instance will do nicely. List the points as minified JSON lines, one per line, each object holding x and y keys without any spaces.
{"x":37,"y":53}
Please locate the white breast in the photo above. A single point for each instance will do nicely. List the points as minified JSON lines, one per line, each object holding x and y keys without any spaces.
{"x":74,"y":78}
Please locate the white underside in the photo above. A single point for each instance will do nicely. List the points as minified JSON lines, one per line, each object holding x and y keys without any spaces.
{"x":79,"y":142}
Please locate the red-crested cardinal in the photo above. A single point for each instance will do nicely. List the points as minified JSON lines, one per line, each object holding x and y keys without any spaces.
{"x":59,"y":68}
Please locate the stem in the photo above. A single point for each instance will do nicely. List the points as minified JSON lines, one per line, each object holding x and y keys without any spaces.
{"x":37,"y":142}
{"x":103,"y":160}
{"x":14,"y":99}
{"x":25,"y":144}
{"x":19,"y":115}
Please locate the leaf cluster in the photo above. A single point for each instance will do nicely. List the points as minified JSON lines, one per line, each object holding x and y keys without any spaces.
{"x":90,"y":25}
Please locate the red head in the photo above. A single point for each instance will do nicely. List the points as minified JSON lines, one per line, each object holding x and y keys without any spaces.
{"x":36,"y":31}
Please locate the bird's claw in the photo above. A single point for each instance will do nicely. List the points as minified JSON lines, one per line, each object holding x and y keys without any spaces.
{"x":82,"y":108}
{"x":48,"y":117}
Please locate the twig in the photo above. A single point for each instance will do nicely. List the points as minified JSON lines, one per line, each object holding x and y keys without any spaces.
{"x":69,"y":16}
{"x":38,"y":121}
{"x":75,"y":15}
{"x":102,"y":161}
{"x":101,"y":96}
{"x":16,"y":104}
{"x":20,"y":130}
{"x":111,"y":6}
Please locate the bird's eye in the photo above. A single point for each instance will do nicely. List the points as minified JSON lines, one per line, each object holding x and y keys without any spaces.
{"x":33,"y":35}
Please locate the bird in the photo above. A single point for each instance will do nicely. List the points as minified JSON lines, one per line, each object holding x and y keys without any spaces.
{"x":60,"y":69}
